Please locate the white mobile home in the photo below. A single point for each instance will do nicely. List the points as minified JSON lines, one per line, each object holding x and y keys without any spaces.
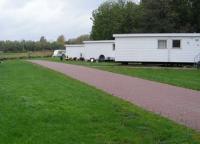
{"x":169,"y":48}
{"x":99,"y":50}
{"x":74,"y":51}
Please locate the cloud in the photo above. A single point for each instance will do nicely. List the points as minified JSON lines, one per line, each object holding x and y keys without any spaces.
{"x":30,"y":19}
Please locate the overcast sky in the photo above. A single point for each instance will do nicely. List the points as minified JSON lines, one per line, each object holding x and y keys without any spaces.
{"x":30,"y":19}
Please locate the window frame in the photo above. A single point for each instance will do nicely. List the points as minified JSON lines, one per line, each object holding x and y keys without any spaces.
{"x":163,"y":40}
{"x":173,"y":44}
{"x":114,"y":47}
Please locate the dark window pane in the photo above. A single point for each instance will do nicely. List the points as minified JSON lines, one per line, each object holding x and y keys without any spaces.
{"x":176,"y":44}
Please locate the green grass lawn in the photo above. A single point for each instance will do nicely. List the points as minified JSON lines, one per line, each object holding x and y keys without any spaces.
{"x":40,"y":106}
{"x":187,"y":78}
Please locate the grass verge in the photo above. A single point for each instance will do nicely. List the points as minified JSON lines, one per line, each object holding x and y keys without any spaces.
{"x":25,"y":55}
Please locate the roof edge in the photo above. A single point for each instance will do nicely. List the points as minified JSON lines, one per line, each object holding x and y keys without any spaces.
{"x":158,"y":35}
{"x":74,"y":45}
{"x":100,"y":41}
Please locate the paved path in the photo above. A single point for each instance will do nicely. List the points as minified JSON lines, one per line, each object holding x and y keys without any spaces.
{"x":178,"y":104}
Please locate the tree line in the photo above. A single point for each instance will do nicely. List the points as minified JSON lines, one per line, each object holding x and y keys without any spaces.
{"x":24,"y":46}
{"x":149,"y":16}
{"x":41,"y":45}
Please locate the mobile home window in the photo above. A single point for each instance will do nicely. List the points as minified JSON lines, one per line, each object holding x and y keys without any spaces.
{"x":113,"y":47}
{"x":162,"y":44}
{"x":176,"y":44}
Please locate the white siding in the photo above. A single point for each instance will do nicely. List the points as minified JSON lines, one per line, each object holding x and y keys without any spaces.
{"x":74,"y":51}
{"x":95,"y":49}
{"x":189,"y":49}
{"x":139,"y":50}
{"x":145,"y":49}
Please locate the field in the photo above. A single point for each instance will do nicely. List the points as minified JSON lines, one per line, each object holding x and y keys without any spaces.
{"x":40,"y":106}
{"x":25,"y":55}
{"x":182,"y":77}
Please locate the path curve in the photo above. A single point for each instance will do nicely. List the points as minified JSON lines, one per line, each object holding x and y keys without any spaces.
{"x":178,"y":104}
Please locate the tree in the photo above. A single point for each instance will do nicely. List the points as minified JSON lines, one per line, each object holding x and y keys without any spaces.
{"x":107,"y":20}
{"x":43,"y":39}
{"x":79,"y":40}
{"x":115,"y":17}
{"x":157,"y":16}
{"x":195,"y":18}
{"x":182,"y":11}
{"x":131,"y":18}
{"x":43,"y":43}
{"x":61,"y":40}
